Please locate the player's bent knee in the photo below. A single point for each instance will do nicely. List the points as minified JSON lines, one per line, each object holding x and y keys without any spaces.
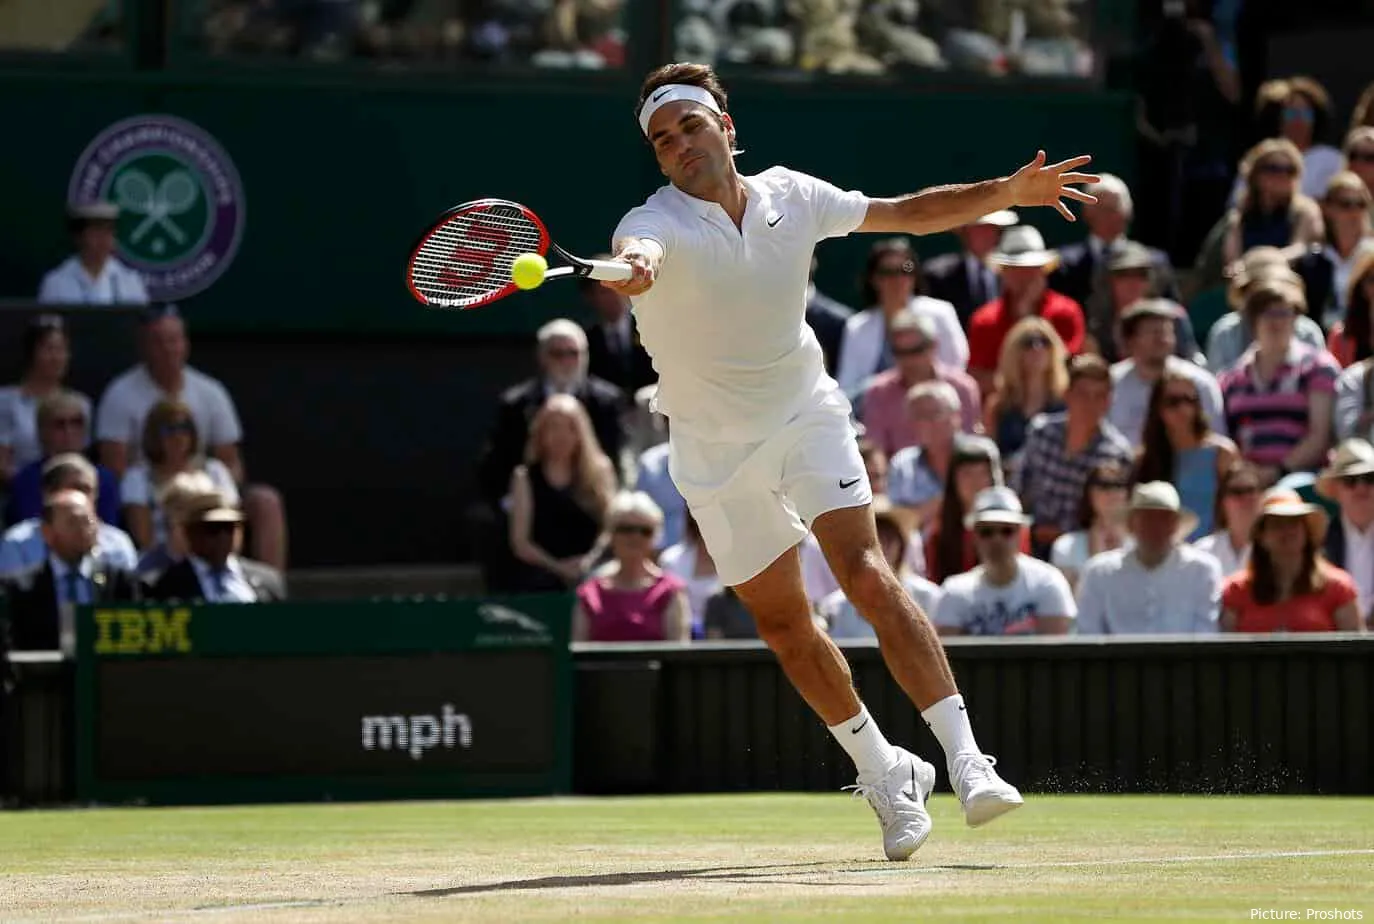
{"x":785,"y":631}
{"x":869,"y":586}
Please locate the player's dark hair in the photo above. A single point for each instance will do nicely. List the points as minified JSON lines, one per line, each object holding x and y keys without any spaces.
{"x":886,"y":248}
{"x":695,"y":75}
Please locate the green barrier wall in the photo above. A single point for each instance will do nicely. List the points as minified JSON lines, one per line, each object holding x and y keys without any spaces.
{"x":340,"y":174}
{"x":435,"y":699}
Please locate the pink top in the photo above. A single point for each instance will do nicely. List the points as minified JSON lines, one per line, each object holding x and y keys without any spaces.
{"x":885,"y":418}
{"x":615,"y":615}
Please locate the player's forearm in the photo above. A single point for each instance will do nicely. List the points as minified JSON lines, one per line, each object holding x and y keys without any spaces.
{"x":939,"y":208}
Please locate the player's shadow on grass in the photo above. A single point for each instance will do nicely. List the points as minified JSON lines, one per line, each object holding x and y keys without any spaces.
{"x":755,"y":874}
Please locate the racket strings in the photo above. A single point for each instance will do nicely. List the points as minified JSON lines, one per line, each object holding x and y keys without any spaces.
{"x":469,"y":257}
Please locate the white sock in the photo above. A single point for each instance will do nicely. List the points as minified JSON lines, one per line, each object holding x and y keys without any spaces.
{"x":948,"y":719}
{"x":865,"y":744}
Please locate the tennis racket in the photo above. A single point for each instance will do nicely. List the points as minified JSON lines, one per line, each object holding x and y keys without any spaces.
{"x":464,"y":259}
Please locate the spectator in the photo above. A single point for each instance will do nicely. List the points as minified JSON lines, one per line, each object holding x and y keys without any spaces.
{"x":631,"y":599}
{"x":46,"y":359}
{"x":1147,"y":328}
{"x":1032,"y":376}
{"x":170,"y":447}
{"x":1304,"y":120}
{"x":894,"y":527}
{"x":165,"y":375}
{"x":1349,"y":481}
{"x":1081,"y":266}
{"x":1157,"y":584}
{"x":93,"y":275}
{"x":827,"y":319}
{"x":690,"y":560}
{"x":1129,"y":277}
{"x":1238,"y":506}
{"x":1289,"y":585}
{"x":654,"y":479}
{"x":1062,"y":450}
{"x":562,"y":355}
{"x":22,"y":545}
{"x":614,"y":353}
{"x":916,"y":478}
{"x":176,"y":497}
{"x":976,"y":465}
{"x":1359,"y":155}
{"x":1023,"y":265}
{"x":875,"y":464}
{"x":1349,"y":241}
{"x":964,"y":279}
{"x":1008,"y":593}
{"x":1181,"y":447}
{"x":1101,"y":521}
{"x":1279,"y":396}
{"x":892,"y":285}
{"x":1351,"y":341}
{"x":1362,"y":116}
{"x":71,"y":572}
{"x":728,"y":618}
{"x":1232,"y":334}
{"x":212,"y":570}
{"x":62,"y":428}
{"x":559,"y":497}
{"x":1270,"y":211}
{"x":883,"y":407}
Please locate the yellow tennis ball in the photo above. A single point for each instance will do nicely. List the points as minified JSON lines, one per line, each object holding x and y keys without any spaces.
{"x":528,"y":270}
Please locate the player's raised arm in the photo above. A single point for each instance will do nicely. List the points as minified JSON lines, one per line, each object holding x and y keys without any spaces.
{"x":943,"y":208}
{"x":644,"y":256}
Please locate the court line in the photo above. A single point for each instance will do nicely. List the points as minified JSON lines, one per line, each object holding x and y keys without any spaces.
{"x":822,"y":868}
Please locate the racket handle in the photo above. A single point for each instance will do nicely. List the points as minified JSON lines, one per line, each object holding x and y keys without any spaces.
{"x":610,"y":270}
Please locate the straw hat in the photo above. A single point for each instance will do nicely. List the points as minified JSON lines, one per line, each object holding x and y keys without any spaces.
{"x":1022,"y":245}
{"x":1353,"y":457}
{"x":1281,"y":502}
{"x":996,"y":505}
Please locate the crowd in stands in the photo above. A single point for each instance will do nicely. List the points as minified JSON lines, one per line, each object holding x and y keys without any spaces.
{"x":141,"y":494}
{"x":1083,"y":439}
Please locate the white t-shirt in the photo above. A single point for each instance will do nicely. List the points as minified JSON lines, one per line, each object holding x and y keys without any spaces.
{"x":70,"y":284}
{"x":977,"y":607}
{"x":725,"y":319}
{"x":845,"y":622}
{"x":19,"y":424}
{"x":136,"y":489}
{"x":129,"y":398}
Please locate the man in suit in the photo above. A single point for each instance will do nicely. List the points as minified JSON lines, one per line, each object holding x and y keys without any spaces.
{"x":964,"y":279}
{"x":614,"y":353}
{"x":1081,"y":266}
{"x":41,"y":596}
{"x":22,"y":545}
{"x":212,"y":570}
{"x":1349,"y":481}
{"x":827,"y":318}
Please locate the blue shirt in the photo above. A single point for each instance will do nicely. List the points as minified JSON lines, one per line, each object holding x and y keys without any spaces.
{"x":22,"y":547}
{"x":26,"y":494}
{"x":655,"y":480}
{"x":910,"y":481}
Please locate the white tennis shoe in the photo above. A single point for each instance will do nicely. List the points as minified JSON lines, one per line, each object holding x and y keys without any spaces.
{"x":983,"y":793}
{"x":899,"y":801}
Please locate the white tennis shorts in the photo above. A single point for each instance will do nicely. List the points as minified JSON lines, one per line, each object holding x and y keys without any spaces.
{"x":754,"y":501}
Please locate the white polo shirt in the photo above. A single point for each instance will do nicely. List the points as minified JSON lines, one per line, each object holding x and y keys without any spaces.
{"x":70,"y":284}
{"x":129,"y":398}
{"x":725,"y":319}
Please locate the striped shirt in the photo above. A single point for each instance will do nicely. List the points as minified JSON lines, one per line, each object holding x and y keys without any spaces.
{"x":1267,"y":419}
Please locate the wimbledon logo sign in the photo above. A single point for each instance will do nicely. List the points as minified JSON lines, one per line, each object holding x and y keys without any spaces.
{"x":181,"y":209}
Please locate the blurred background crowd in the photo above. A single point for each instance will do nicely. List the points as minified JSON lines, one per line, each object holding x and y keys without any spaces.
{"x":1159,"y":424}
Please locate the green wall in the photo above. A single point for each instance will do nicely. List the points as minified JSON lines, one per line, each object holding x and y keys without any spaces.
{"x":341,"y":174}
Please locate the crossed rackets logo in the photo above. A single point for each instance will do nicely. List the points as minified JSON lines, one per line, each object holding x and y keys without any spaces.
{"x":158,"y":203}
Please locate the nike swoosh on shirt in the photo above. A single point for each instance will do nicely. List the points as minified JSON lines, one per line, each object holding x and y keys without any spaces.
{"x":774,"y":222}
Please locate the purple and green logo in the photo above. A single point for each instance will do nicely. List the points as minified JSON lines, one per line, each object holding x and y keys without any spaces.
{"x":181,"y":207}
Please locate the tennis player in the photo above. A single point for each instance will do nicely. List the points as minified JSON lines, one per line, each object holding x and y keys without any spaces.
{"x":762,"y":447}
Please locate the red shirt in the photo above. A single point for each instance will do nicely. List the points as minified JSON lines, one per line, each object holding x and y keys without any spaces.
{"x":1305,"y":613}
{"x":989,"y":326}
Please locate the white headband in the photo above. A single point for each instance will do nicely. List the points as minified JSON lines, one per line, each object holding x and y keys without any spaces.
{"x":671,"y":93}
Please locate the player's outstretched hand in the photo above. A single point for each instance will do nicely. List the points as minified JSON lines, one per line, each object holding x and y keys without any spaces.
{"x":1040,"y":184}
{"x":643,"y":278}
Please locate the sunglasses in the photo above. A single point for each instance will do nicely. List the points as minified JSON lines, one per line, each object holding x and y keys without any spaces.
{"x":888,"y":272}
{"x":1179,"y":400}
{"x":1365,"y":478}
{"x":1352,"y":205}
{"x":1035,"y":342}
{"x":1297,"y":114}
{"x":1116,"y":485}
{"x":912,"y":350}
{"x":564,"y":352}
{"x":1285,"y":312}
{"x":1242,"y":490}
{"x":999,"y":532}
{"x":1361,"y":157}
{"x":77,"y":421}
{"x":633,"y":529}
{"x":1278,"y":169}
{"x":180,"y":426}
